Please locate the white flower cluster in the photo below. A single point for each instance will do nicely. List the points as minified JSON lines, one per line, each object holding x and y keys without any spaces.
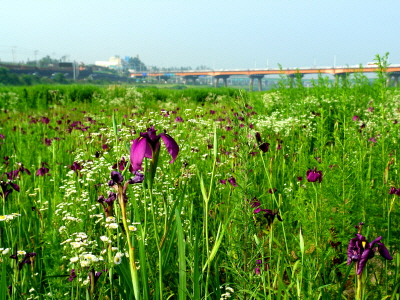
{"x":9,"y":217}
{"x":228,"y":293}
{"x":86,"y":259}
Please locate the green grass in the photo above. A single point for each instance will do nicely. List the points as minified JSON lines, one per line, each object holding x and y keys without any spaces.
{"x":197,"y":234}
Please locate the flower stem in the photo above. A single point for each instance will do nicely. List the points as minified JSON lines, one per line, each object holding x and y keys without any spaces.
{"x":132,"y":263}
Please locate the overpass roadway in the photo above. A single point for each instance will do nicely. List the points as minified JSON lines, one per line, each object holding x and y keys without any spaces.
{"x":391,"y":71}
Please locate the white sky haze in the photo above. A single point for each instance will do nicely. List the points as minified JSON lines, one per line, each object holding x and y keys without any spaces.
{"x":221,"y":34}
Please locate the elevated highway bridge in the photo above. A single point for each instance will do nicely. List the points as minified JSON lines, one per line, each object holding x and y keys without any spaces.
{"x":392,"y":71}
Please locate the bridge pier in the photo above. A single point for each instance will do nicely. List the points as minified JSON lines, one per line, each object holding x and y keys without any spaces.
{"x":259,"y":77}
{"x":395,"y":76}
{"x":215,"y":81}
{"x":223,"y":77}
{"x":193,"y":78}
{"x":339,"y":76}
{"x":293,"y":76}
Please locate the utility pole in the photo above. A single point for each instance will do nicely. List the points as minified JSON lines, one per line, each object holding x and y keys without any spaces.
{"x":74,"y":70}
{"x":13,"y":53}
{"x":36,"y":52}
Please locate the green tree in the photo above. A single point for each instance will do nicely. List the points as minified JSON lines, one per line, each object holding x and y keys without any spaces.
{"x":136,"y":64}
{"x":60,"y":78}
{"x":26,"y":79}
{"x":47,"y":60}
{"x":8,"y":79}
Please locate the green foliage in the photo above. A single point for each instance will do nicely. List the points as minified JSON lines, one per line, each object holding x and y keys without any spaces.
{"x":197,"y":233}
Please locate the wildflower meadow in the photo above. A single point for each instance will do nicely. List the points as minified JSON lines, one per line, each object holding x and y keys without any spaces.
{"x":143,"y":193}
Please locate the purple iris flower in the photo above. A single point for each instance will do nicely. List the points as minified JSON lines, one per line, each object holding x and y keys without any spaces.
{"x":76,"y":167}
{"x":72,"y":275}
{"x":47,"y":141}
{"x":94,"y":276}
{"x":360,"y":251}
{"x":108,"y":203}
{"x":116,"y":178}
{"x":121,"y":165}
{"x":43,"y":170}
{"x":272,"y":191}
{"x":232,"y":181}
{"x":148,"y":144}
{"x":139,"y":177}
{"x":264,"y":147}
{"x":313,"y":175}
{"x":257,"y":269}
{"x":5,"y":191}
{"x":394,"y":191}
{"x":255,"y":203}
{"x":28,"y":259}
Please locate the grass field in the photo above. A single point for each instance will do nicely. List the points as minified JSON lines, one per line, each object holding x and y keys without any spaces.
{"x":262,"y":199}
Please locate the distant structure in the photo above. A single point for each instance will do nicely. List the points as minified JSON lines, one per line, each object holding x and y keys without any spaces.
{"x":393,"y":71}
{"x":115,"y":62}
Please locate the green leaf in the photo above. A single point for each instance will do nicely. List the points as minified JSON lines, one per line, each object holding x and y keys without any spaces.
{"x":181,"y":257}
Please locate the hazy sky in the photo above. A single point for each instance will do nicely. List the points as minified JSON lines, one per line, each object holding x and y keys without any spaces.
{"x":234,"y":34}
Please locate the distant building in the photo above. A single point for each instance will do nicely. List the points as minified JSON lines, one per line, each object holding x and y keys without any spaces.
{"x":115,"y":63}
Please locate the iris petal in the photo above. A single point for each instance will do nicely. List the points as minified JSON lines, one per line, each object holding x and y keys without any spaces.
{"x":15,"y":186}
{"x":140,"y":149}
{"x":363,"y":260}
{"x":171,"y":145}
{"x":384,"y":251}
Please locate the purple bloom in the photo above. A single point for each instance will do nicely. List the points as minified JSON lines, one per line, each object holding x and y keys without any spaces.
{"x":116,"y":178}
{"x":222,"y":181}
{"x":258,"y":138}
{"x":108,"y":203}
{"x":360,"y":251}
{"x":72,"y":275}
{"x":28,"y":259}
{"x":259,"y":264}
{"x":76,"y":167}
{"x":47,"y":141}
{"x":139,"y":177}
{"x":255,"y":202}
{"x":394,"y":191}
{"x":373,"y":140}
{"x":122,"y":165}
{"x":43,"y":170}
{"x":94,"y":276}
{"x":148,"y":144}
{"x":5,"y":191}
{"x":178,"y":119}
{"x":356,"y":118}
{"x":314,"y":175}
{"x":232,"y":181}
{"x":264,"y":147}
{"x":2,"y":136}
